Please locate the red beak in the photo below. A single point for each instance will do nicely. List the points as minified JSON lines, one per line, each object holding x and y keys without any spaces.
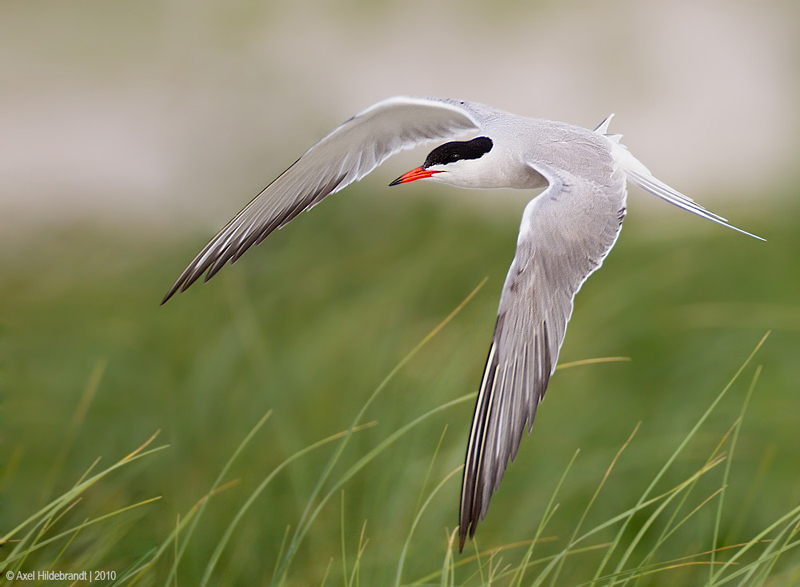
{"x":414,"y":175}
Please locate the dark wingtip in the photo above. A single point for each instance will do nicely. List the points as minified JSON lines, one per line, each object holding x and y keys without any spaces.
{"x":170,"y":293}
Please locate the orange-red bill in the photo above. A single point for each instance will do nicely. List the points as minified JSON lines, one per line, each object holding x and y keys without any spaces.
{"x":414,"y":175}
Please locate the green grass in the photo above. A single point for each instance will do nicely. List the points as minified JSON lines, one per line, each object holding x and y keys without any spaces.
{"x":308,"y":326}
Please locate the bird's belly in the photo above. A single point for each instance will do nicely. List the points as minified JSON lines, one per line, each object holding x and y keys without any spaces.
{"x":513,"y":174}
{"x":518,"y":177}
{"x":531,"y":180}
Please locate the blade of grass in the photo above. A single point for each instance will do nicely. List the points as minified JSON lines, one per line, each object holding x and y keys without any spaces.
{"x":370,"y":456}
{"x":74,"y":427}
{"x":548,"y":514}
{"x":22,"y":549}
{"x":137,"y":571}
{"x":280,"y":553}
{"x":726,"y":475}
{"x":448,"y":572}
{"x":594,"y":497}
{"x":654,"y":516}
{"x":327,"y":572}
{"x":769,"y":557}
{"x":469,"y":559}
{"x":344,"y":545}
{"x":414,"y":524}
{"x":551,"y":558}
{"x":747,"y":569}
{"x":628,"y":514}
{"x":257,"y":492}
{"x":670,"y":527}
{"x":175,"y":554}
{"x":355,"y":576}
{"x":649,"y":569}
{"x":78,"y":489}
{"x":677,"y":452}
{"x":305,"y":521}
{"x":64,"y":548}
{"x":595,"y":361}
{"x":85,"y":524}
{"x":746,"y":505}
{"x":217,"y":482}
{"x":788,"y":518}
{"x":430,"y":468}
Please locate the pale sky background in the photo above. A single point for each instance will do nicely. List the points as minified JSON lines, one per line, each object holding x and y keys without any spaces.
{"x":176,"y":113}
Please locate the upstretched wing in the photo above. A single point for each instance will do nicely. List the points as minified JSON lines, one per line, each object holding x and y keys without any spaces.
{"x":346,"y":155}
{"x":566,"y":233}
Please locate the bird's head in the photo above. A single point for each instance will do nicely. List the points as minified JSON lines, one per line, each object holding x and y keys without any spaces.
{"x":454,"y":163}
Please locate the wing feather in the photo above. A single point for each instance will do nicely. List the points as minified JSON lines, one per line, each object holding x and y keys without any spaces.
{"x":346,"y":155}
{"x":566,"y":233}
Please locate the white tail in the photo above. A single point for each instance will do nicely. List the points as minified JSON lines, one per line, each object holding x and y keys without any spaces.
{"x":641,"y":177}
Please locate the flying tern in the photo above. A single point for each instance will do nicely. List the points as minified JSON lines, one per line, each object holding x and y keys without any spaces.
{"x":566,"y":232}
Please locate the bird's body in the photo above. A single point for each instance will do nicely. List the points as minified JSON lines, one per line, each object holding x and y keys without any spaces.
{"x":565,"y":233}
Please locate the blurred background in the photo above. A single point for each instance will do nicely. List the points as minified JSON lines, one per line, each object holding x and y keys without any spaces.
{"x":131,"y":131}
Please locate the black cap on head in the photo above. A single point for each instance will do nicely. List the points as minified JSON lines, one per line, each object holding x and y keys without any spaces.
{"x":458,"y":150}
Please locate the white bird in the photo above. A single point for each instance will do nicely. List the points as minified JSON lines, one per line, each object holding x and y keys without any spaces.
{"x":566,"y":232}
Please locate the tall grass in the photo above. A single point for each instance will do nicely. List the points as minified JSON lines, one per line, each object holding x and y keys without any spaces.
{"x":298,"y":448}
{"x":38,"y":543}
